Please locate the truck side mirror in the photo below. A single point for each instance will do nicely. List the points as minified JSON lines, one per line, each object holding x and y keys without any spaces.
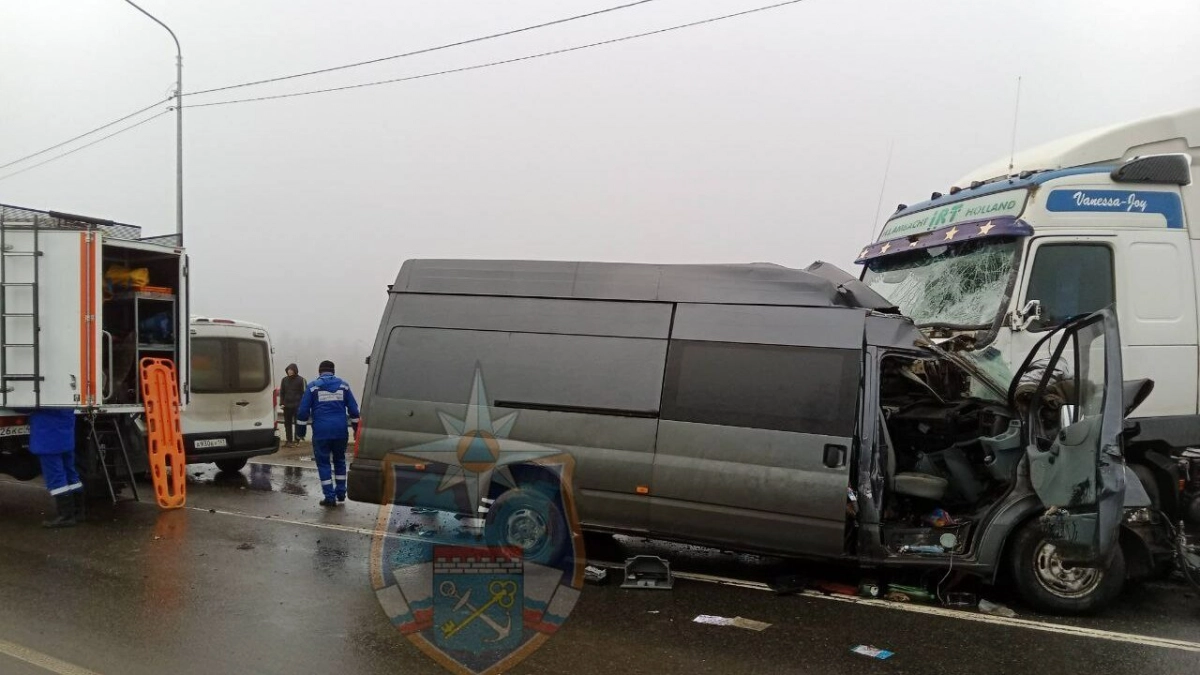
{"x":1021,"y":318}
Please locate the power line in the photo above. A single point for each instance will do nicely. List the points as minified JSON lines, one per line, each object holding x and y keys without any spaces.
{"x":89,"y":133}
{"x":498,"y":63}
{"x":85,"y":145}
{"x":422,"y":51}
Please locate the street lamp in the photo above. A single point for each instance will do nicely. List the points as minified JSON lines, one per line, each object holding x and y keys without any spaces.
{"x":178,"y":123}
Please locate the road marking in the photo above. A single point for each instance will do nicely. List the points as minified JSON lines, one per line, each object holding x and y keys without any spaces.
{"x":1028,"y":624}
{"x":41,"y":660}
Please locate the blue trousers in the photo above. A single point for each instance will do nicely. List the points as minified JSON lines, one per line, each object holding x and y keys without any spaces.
{"x":58,"y":469}
{"x":327,"y":451}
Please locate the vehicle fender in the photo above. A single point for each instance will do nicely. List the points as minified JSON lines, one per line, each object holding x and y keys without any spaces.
{"x":993,"y":542}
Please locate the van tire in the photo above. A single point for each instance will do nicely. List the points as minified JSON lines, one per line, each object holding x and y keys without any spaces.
{"x":231,"y":465}
{"x":1035,"y":576}
{"x":526,"y":519}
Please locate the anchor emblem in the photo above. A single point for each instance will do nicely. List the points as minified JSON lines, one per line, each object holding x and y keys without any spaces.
{"x":503,"y":594}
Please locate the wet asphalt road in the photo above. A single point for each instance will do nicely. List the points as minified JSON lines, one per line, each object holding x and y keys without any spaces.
{"x":254,"y":577}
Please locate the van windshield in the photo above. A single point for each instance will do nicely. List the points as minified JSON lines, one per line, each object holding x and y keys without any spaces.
{"x":222,"y":365}
{"x":958,"y":286}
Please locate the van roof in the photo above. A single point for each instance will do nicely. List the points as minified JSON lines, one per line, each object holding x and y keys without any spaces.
{"x":821,"y":285}
{"x":209,"y":321}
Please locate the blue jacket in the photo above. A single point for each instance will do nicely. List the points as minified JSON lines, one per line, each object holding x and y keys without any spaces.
{"x":331,"y":404}
{"x":51,"y":431}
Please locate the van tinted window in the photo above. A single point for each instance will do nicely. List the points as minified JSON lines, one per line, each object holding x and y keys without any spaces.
{"x":229,"y":366}
{"x":799,"y":389}
{"x":208,"y":365}
{"x":536,"y":370}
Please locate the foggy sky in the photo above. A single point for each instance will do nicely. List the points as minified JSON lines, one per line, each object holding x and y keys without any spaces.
{"x":760,"y":138}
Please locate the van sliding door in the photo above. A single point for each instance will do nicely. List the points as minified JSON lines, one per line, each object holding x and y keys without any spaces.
{"x":757,"y":428}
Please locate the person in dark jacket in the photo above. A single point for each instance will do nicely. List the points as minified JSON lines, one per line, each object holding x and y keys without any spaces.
{"x":52,"y":440}
{"x":330,"y":403}
{"x":291,"y":390}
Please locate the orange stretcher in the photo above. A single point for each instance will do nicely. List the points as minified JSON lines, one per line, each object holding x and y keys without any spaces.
{"x":168,"y":466}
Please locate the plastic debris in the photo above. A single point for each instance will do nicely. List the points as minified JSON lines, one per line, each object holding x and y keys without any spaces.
{"x":959,"y":600}
{"x":648,"y":571}
{"x":789,"y":584}
{"x":898,"y":593}
{"x":995,"y":608}
{"x":739,"y":622}
{"x":595,"y":575}
{"x":246,"y":546}
{"x":873,"y":652}
{"x":869,"y":588}
{"x":939,"y":518}
{"x":833,"y":588}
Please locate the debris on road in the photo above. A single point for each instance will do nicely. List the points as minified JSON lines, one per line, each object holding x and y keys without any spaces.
{"x":959,"y":600}
{"x":245,"y":546}
{"x":869,"y":588}
{"x":648,"y":571}
{"x":740,"y":622}
{"x":789,"y":584}
{"x":422,"y":510}
{"x":873,"y":652}
{"x":988,"y":607}
{"x":898,"y":593}
{"x":428,"y":533}
{"x":595,"y":575}
{"x":834,"y":588}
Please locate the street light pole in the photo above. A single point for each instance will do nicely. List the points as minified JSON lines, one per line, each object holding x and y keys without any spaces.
{"x":178,"y":123}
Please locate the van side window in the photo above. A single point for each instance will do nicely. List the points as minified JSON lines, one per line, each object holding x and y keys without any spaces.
{"x":801,"y":389}
{"x":580,"y":373}
{"x":1070,"y":280}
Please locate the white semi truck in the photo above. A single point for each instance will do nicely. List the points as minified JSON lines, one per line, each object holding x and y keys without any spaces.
{"x":1109,"y":217}
{"x":82,"y":302}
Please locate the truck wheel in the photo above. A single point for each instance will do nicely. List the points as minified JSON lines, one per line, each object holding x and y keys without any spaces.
{"x":231,"y":465}
{"x":527,"y":520}
{"x":1050,"y":586}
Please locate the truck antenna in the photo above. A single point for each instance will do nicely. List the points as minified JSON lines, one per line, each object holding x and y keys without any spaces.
{"x":1012,"y":155}
{"x":887,"y":168}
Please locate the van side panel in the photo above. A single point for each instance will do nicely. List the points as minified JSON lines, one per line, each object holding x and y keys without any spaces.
{"x":580,"y":376}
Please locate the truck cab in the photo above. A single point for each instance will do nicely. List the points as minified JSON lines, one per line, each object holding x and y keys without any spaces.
{"x":1018,"y":247}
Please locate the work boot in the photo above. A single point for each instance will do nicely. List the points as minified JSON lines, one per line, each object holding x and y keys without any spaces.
{"x":65,"y":504}
{"x":328,"y":501}
{"x":80,"y":503}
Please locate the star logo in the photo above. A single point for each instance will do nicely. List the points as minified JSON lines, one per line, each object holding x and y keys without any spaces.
{"x":885,"y":247}
{"x":476,"y":448}
{"x":951,"y":233}
{"x":984,"y":229}
{"x":914,"y":243}
{"x":864,"y":253}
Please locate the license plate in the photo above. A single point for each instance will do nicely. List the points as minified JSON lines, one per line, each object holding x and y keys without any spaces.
{"x":211,"y":443}
{"x":19,"y":430}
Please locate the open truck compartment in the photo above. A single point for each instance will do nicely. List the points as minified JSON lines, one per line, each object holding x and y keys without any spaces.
{"x":83,"y":301}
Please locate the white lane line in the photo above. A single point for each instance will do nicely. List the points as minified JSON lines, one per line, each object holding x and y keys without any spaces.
{"x":1028,"y":624}
{"x":289,"y":521}
{"x":41,"y":660}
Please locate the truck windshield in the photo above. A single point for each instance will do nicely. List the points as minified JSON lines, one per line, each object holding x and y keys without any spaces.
{"x":958,"y":286}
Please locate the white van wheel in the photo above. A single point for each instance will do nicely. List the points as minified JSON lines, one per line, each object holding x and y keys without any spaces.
{"x":1063,"y":580}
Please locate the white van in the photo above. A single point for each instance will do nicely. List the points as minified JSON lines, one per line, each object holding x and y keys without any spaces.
{"x":230,"y":416}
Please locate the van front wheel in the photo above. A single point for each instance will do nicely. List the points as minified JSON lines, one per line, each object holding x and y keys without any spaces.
{"x":1048,"y":584}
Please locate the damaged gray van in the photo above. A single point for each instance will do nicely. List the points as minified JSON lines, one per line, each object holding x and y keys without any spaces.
{"x":763,"y":409}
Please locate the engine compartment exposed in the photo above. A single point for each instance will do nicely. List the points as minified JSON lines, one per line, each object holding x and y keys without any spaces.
{"x":950,"y":455}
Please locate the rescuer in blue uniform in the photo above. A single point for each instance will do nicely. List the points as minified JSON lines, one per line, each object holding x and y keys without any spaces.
{"x":52,"y":440}
{"x":330,"y":403}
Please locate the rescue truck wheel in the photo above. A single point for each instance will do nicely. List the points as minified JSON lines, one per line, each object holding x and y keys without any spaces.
{"x":1049,"y":585}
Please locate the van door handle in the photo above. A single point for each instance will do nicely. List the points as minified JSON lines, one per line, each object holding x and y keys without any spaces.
{"x":242,"y":403}
{"x":835,"y":456}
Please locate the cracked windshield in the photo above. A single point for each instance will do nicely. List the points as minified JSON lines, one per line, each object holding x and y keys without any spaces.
{"x":954,"y":286}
